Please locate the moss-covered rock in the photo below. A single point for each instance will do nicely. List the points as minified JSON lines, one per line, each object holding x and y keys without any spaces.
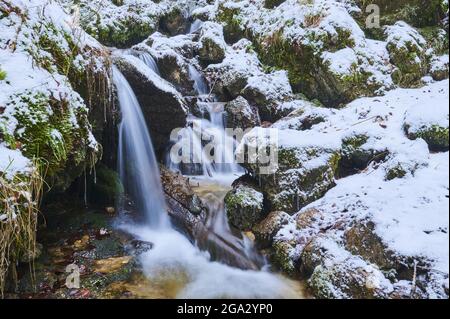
{"x":436,"y":137}
{"x":439,"y":67}
{"x":240,"y":114}
{"x":282,"y":257}
{"x":407,"y":50}
{"x":335,"y":273}
{"x":174,"y":22}
{"x":212,"y":44}
{"x":244,"y":205}
{"x":266,"y":230}
{"x":418,"y":13}
{"x":46,"y":129}
{"x":354,"y":157}
{"x":302,"y":54}
{"x":294,"y":185}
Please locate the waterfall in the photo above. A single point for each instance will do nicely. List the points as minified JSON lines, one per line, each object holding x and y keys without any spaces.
{"x":200,"y":85}
{"x":149,"y":61}
{"x":138,"y":167}
{"x":195,"y":26}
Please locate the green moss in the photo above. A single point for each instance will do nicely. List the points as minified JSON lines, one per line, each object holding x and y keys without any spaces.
{"x":411,"y":63}
{"x":105,"y":185}
{"x":436,"y":137}
{"x":321,"y":284}
{"x":418,"y":13}
{"x":396,"y":172}
{"x":46,"y":131}
{"x":281,"y":257}
{"x":436,"y":38}
{"x":288,"y":158}
{"x":244,"y":206}
{"x":232,"y":29}
{"x":2,"y":75}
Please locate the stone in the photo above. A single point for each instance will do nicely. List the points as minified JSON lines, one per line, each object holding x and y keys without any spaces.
{"x":266,"y":230}
{"x":163,"y":107}
{"x":240,"y":114}
{"x":244,"y":205}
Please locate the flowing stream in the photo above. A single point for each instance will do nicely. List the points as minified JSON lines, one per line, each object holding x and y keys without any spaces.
{"x":184,"y":269}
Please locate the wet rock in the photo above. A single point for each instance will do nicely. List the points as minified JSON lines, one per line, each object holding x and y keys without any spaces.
{"x":161,"y":104}
{"x":240,"y":114}
{"x":110,"y":265}
{"x":104,"y":186}
{"x":212,"y":44}
{"x":244,"y":206}
{"x":177,"y":186}
{"x":138,"y":246}
{"x":266,"y":230}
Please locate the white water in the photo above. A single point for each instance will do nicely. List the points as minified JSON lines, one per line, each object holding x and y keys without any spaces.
{"x":149,"y":61}
{"x":200,"y":85}
{"x":173,"y":257}
{"x":138,"y":167}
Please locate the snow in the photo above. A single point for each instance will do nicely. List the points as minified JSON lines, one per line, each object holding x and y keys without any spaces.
{"x":411,"y":214}
{"x":151,"y":75}
{"x":12,"y":162}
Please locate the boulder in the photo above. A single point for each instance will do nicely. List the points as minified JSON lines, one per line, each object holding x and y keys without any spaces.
{"x":266,"y":230}
{"x":407,"y":51}
{"x":174,"y":22}
{"x":171,"y":56}
{"x":163,"y":107}
{"x":212,"y":46}
{"x":299,"y":171}
{"x":244,"y":205}
{"x":240,"y":114}
{"x":431,"y":126}
{"x":177,"y":187}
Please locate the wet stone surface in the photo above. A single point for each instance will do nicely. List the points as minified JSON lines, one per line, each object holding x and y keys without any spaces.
{"x":79,"y":239}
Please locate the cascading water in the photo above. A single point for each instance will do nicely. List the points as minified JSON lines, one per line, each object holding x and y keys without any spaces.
{"x":138,"y":167}
{"x":149,"y":61}
{"x":174,"y":264}
{"x":200,"y":85}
